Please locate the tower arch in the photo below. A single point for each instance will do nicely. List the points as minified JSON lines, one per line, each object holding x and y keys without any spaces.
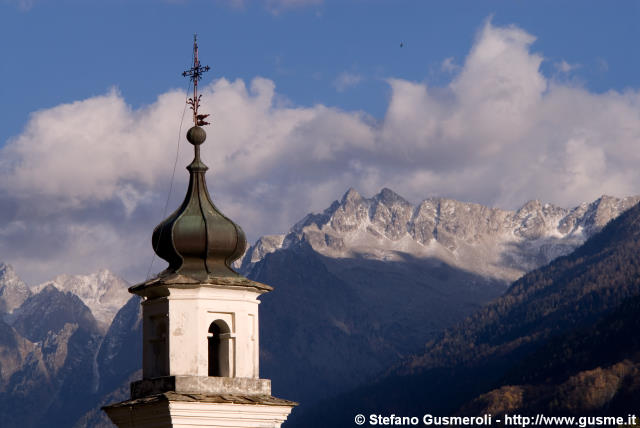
{"x":219,"y":349}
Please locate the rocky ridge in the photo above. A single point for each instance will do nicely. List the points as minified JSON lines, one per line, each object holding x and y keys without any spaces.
{"x":103,"y":292}
{"x":53,"y":350}
{"x":495,"y":243}
{"x":13,"y":291}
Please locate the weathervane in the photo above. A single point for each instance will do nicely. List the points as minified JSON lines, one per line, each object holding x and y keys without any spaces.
{"x":195,"y":74}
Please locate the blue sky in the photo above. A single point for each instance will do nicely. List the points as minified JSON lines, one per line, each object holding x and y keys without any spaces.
{"x":494,"y":102}
{"x":65,"y":50}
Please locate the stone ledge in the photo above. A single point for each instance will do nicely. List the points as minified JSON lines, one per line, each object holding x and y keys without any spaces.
{"x":265,"y":400}
{"x":204,"y":385}
{"x":171,"y":409}
{"x":160,"y":285}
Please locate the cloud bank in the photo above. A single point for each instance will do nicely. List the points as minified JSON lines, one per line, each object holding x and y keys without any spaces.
{"x":85,"y":183}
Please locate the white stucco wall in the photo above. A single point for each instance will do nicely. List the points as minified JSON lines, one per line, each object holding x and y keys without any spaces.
{"x":190,"y":313}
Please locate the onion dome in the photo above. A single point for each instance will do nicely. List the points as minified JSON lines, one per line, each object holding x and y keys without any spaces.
{"x":197,"y":239}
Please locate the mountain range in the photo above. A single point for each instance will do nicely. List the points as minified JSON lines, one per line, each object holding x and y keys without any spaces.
{"x":359,"y":288}
{"x":560,"y":341}
{"x":370,"y":280}
{"x":491,"y":242}
{"x":56,"y":352}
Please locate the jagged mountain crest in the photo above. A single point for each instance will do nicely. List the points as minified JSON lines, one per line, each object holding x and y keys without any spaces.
{"x":493,"y":242}
{"x":103,"y":292}
{"x":265,"y":245}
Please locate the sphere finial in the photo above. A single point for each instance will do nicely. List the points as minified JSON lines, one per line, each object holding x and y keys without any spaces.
{"x":196,"y":135}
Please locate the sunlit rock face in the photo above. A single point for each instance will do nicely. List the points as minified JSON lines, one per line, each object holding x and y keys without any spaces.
{"x":492,"y":242}
{"x":13,"y":291}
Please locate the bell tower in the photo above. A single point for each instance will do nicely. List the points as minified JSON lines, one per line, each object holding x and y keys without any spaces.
{"x":199,"y":318}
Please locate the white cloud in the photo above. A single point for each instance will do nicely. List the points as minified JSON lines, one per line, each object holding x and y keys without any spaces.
{"x":564,"y":67}
{"x":85,"y":183}
{"x":346,"y":80}
{"x":449,"y":65}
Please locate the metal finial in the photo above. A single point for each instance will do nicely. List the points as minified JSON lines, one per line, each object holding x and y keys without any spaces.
{"x":195,"y":74}
{"x":197,"y":239}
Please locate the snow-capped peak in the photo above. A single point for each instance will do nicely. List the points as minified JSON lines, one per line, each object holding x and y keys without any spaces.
{"x":103,"y":292}
{"x":490,"y":241}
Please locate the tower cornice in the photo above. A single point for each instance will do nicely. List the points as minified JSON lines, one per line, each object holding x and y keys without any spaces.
{"x":160,"y":286}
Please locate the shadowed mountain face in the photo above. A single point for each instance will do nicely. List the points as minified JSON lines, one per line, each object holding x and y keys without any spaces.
{"x":543,"y":345}
{"x":54,"y":337}
{"x":593,"y":370}
{"x":120,"y":352}
{"x":333,"y":323}
{"x":55,"y":364}
{"x":49,"y":311}
{"x":118,"y":362}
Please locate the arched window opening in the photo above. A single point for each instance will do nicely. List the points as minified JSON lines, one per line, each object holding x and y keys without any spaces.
{"x":214,"y":350}
{"x":218,"y":341}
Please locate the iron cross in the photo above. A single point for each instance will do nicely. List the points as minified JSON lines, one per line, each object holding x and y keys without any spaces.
{"x":195,"y":74}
